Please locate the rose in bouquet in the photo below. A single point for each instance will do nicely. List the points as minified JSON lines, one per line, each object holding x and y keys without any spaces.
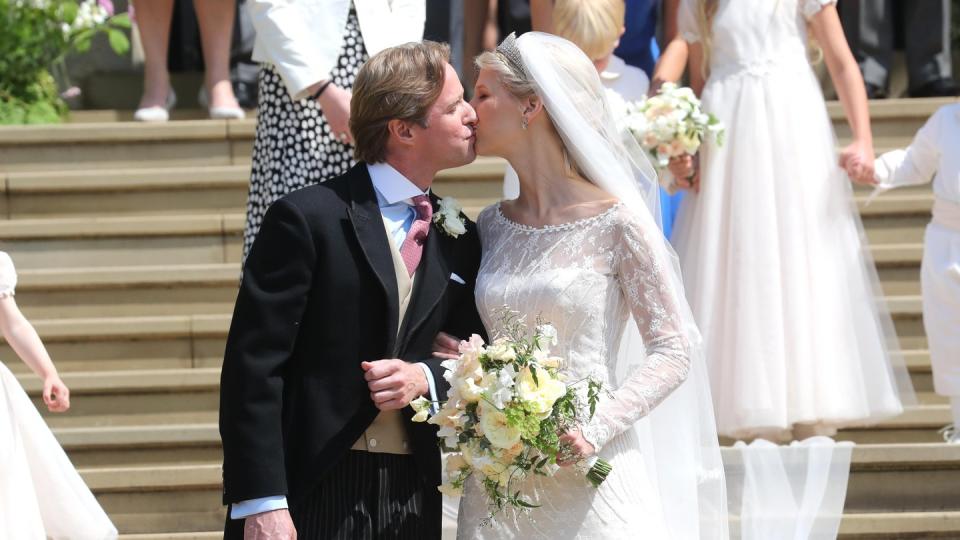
{"x":667,"y":125}
{"x":508,"y":405}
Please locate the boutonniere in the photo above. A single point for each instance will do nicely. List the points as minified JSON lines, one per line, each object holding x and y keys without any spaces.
{"x":449,"y":217}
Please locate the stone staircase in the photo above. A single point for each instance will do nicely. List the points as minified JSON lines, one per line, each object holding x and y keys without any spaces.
{"x":127,"y":238}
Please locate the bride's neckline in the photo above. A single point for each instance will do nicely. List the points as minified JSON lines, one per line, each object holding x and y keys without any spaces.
{"x":558,"y":226}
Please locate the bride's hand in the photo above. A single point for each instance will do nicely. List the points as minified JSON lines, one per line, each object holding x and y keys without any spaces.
{"x":56,"y":395}
{"x":579,"y":448}
{"x":446,"y":346}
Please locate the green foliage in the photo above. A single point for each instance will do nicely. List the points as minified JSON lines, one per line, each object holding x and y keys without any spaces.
{"x":36,"y":36}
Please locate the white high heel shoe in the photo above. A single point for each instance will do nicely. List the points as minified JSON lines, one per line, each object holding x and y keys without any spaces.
{"x":157,"y":113}
{"x":219,"y":113}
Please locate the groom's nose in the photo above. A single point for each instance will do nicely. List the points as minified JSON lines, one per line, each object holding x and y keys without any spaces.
{"x":470,"y":115}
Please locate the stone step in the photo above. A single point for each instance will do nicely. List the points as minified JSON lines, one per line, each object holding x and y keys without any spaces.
{"x":912,"y":478}
{"x":900,"y":525}
{"x":44,"y":293}
{"x":105,"y":192}
{"x":159,"y":499}
{"x":126,"y":343}
{"x":190,"y":143}
{"x":133,"y":397}
{"x":143,"y":445}
{"x":867,"y":526}
{"x":123,"y":241}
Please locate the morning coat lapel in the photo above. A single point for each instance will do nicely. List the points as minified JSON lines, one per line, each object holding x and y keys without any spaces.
{"x":367,"y":223}
{"x":432,"y":278}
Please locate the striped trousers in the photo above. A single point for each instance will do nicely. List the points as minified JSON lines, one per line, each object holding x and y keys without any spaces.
{"x":367,"y":496}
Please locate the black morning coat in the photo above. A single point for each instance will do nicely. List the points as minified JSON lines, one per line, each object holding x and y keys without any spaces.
{"x":318,"y":297}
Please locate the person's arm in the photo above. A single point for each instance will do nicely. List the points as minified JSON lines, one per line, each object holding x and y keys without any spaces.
{"x":277,"y":281}
{"x":24,"y":341}
{"x":641,"y":272}
{"x":918,"y":163}
{"x":857,"y":158}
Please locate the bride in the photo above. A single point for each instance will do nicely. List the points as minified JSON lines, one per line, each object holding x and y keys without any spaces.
{"x":580,"y":247}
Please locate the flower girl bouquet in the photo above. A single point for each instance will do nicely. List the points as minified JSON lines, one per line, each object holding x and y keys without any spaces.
{"x":507,"y":406}
{"x":667,"y":125}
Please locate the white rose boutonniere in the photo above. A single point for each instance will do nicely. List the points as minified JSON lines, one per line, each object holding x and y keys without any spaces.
{"x":449,"y":217}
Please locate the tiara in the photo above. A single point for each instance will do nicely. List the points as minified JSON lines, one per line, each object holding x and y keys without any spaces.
{"x":511,"y":53}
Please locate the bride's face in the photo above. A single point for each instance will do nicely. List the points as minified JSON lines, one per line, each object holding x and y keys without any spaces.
{"x":499,"y":115}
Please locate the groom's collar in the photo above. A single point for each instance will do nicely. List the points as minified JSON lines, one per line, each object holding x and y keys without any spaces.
{"x":391,"y":186}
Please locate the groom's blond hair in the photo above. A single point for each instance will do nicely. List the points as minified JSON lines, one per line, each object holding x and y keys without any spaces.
{"x":399,"y":83}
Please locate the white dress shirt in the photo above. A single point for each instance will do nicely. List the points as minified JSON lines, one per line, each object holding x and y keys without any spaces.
{"x":303,"y":38}
{"x":394,"y":196}
{"x":933,"y":155}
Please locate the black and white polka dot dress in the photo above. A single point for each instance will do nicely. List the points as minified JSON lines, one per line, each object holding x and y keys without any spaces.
{"x":294,"y":146}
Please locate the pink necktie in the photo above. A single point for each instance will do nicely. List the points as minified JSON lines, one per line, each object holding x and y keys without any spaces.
{"x":412,"y":247}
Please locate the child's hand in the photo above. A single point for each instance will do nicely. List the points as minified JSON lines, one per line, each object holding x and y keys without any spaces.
{"x":56,"y":394}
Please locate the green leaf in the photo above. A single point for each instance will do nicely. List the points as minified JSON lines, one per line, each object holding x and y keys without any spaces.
{"x":69,"y":11}
{"x":118,"y":41}
{"x":121,"y":20}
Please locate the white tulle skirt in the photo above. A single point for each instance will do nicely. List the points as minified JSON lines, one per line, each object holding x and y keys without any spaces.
{"x":41,"y":494}
{"x":777,"y":270}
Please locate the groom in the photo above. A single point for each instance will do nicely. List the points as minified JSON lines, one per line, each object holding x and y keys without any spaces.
{"x":343,"y":292}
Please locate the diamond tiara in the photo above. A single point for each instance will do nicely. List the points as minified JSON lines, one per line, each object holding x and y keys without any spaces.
{"x":511,"y":53}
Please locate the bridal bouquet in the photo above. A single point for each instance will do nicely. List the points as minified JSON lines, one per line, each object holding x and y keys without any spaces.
{"x":669,"y":124}
{"x":507,"y":406}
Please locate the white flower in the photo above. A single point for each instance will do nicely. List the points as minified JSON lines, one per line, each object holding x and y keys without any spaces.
{"x":495,"y":427}
{"x":498,"y":386}
{"x":548,"y":332}
{"x":449,"y":217}
{"x":449,"y":490}
{"x":502,"y":350}
{"x":422,"y":407}
{"x":540,"y":397}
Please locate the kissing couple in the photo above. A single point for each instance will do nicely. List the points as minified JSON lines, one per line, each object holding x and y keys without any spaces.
{"x":356,"y":289}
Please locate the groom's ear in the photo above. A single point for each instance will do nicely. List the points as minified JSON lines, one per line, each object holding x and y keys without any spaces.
{"x":400,"y":131}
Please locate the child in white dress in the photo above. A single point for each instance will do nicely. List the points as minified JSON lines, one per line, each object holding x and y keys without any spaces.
{"x":933,"y":156}
{"x":774,"y":262}
{"x":41,"y":494}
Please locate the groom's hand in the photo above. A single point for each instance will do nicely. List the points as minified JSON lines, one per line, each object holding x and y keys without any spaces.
{"x":273,"y":525}
{"x":394,"y":383}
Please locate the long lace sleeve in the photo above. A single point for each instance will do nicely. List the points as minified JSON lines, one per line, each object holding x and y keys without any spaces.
{"x":915,"y":165}
{"x":652,"y":301}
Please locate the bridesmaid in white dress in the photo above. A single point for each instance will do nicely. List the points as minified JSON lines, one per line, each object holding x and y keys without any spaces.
{"x":776,"y":268}
{"x":580,"y":248}
{"x":41,"y":494}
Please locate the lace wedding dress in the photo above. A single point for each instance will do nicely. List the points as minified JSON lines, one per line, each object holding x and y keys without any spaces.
{"x":586,"y":278}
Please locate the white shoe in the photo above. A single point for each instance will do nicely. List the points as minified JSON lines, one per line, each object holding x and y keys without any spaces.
{"x":157,"y":113}
{"x":950,"y":434}
{"x":227,"y":113}
{"x":219,"y":113}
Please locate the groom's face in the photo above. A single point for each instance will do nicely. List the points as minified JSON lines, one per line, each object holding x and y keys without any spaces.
{"x":448,"y":138}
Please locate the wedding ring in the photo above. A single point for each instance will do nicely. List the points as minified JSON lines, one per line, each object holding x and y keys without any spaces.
{"x":343,"y":136}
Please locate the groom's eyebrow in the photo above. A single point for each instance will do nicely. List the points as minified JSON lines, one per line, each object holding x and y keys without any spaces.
{"x":456,"y":102}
